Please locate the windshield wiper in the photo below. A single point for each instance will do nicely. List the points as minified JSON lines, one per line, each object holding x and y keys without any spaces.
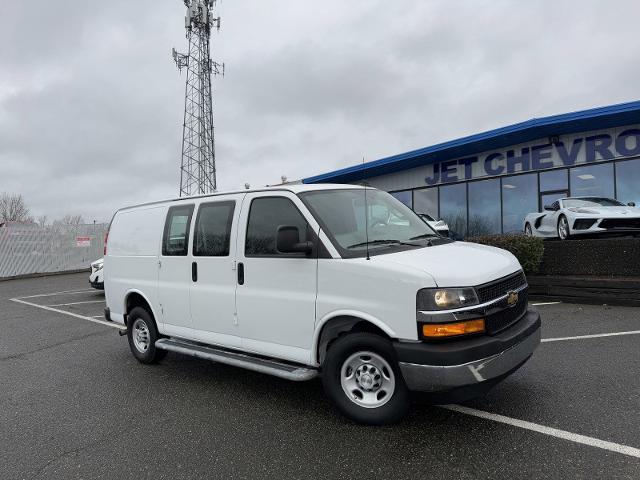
{"x":379,"y":242}
{"x":425,"y":235}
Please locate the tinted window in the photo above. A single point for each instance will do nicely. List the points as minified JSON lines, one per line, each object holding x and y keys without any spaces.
{"x":404,"y":197}
{"x":553,"y":180}
{"x":175,"y":240}
{"x":484,"y":207}
{"x":453,"y":208}
{"x":265,"y":216}
{"x":213,"y":229}
{"x":426,"y":201}
{"x":594,"y":180}
{"x":628,"y":181}
{"x":519,"y":197}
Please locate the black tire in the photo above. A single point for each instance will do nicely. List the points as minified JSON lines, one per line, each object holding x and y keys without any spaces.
{"x":346,"y":347}
{"x":140,"y":321}
{"x":528,"y":231}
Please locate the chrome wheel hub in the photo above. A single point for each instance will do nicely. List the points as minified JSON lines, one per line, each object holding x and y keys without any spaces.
{"x":367,"y":379}
{"x":140,"y":335}
{"x":564,"y":228}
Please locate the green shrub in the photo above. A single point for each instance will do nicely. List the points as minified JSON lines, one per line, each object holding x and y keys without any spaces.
{"x":528,"y":250}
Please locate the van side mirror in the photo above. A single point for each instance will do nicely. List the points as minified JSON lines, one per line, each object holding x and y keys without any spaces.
{"x":632,"y":204}
{"x":288,"y":241}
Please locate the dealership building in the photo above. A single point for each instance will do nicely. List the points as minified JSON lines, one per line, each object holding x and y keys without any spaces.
{"x":488,"y":182}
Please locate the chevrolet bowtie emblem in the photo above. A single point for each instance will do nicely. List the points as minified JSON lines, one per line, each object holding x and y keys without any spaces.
{"x":512,"y":298}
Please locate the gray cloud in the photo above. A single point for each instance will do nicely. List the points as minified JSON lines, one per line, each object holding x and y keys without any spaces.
{"x":91,"y":104}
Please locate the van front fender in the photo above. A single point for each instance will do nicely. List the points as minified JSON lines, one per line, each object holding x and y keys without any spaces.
{"x":340,"y":321}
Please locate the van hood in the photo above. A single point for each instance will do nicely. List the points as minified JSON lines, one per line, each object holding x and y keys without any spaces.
{"x":458,"y":264}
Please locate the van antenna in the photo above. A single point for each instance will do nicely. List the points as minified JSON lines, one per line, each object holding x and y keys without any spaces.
{"x":366,"y":212}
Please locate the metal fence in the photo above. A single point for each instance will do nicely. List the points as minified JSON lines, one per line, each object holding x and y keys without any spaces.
{"x":58,"y":248}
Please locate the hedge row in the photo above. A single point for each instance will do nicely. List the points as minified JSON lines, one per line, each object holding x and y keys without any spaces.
{"x":528,"y":250}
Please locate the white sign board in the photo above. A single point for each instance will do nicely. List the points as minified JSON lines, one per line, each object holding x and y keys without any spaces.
{"x":83,"y":241}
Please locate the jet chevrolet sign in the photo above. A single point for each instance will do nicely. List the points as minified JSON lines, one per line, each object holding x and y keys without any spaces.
{"x":565,"y":151}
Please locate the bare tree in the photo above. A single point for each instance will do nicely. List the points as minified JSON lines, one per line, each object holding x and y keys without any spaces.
{"x":42,"y":220}
{"x":73,"y":220}
{"x":13,"y":208}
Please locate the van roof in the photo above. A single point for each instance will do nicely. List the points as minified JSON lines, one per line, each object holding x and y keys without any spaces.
{"x":293,"y":188}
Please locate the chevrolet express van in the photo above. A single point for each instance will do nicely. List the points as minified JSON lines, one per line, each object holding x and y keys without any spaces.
{"x":336,"y":281}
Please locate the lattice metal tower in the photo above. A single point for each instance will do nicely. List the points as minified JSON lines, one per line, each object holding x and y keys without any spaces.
{"x":198,"y":167}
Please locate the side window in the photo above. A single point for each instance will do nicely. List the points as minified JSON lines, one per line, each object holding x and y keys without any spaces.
{"x":175,"y":240}
{"x":213,"y":229}
{"x":265,"y":216}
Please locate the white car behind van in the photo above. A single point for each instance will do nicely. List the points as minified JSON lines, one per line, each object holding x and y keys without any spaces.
{"x":334,"y":281}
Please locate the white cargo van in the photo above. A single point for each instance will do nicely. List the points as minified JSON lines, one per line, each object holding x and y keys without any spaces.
{"x":332,"y":280}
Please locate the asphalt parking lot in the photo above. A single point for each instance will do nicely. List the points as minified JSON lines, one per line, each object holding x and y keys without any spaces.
{"x":75,"y":404}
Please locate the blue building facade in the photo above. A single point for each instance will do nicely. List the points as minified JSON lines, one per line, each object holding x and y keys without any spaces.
{"x":487,"y":183}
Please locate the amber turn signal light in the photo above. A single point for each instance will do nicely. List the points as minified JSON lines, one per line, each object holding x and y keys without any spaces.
{"x":439,"y":330}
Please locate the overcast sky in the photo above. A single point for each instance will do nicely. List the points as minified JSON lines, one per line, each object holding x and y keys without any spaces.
{"x":91,"y":102}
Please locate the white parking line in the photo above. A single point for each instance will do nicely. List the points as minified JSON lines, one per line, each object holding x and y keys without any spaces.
{"x":554,"y":432}
{"x":65,"y":292}
{"x":74,"y":303}
{"x":71,"y":314}
{"x":595,"y":335}
{"x":544,"y":303}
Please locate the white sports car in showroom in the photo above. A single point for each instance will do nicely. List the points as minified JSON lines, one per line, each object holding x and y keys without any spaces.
{"x":581,"y":216}
{"x":440,"y":226}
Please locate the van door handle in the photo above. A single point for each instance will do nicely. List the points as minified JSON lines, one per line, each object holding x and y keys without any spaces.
{"x":241,"y":273}
{"x":194,"y":271}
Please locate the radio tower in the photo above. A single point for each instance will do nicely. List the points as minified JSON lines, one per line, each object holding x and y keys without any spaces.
{"x":198,"y":167}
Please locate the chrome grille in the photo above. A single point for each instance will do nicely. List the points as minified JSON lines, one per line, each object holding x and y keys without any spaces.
{"x":498,"y":288}
{"x":506,"y":316}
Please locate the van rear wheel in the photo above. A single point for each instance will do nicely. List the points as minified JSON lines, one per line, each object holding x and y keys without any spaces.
{"x":362,"y":378}
{"x":143,"y":334}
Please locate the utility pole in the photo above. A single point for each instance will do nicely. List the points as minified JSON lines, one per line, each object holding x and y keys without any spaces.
{"x":198,"y":164}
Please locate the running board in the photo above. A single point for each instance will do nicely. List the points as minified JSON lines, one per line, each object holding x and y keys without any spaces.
{"x":242,"y":360}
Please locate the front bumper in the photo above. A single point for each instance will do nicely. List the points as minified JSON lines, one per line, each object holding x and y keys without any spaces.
{"x":97,"y":284}
{"x":584,"y":225}
{"x":440,"y":367}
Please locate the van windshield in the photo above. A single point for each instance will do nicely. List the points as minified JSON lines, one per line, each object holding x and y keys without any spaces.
{"x":390,"y":223}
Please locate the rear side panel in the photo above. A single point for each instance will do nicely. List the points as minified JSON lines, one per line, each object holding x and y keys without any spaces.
{"x":131,"y":263}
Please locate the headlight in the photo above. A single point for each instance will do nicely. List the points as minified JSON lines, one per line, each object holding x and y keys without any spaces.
{"x":98,"y":267}
{"x":445,"y":298}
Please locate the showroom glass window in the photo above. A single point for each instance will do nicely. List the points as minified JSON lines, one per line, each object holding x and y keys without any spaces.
{"x":484,"y":207}
{"x":554,"y":180}
{"x":426,"y":201}
{"x":549,"y":198}
{"x":404,"y":197}
{"x":628,"y":181}
{"x":519,"y":197}
{"x":592,"y":181}
{"x":453,"y":208}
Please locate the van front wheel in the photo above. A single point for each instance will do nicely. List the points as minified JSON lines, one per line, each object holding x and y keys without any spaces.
{"x":142,"y":334}
{"x":362,"y":378}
